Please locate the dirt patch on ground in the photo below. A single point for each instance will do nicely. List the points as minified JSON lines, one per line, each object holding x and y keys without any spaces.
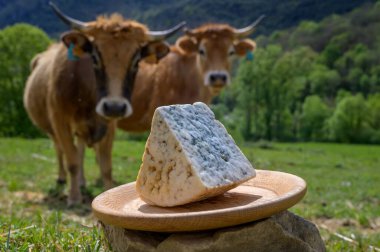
{"x":333,"y":225}
{"x":37,"y":200}
{"x":32,"y":197}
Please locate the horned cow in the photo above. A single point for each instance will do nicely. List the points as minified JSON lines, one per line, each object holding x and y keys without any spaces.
{"x":197,"y":68}
{"x":78,"y":88}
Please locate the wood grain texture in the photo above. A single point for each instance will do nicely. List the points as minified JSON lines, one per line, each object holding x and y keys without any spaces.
{"x":268,"y":193}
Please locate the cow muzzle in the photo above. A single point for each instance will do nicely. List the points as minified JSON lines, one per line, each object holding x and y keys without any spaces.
{"x":114,"y":108}
{"x":217,"y":80}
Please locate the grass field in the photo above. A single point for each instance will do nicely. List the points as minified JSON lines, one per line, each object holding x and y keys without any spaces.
{"x":343,"y":196}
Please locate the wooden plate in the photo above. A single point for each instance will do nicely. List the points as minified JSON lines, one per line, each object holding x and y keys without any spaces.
{"x":268,"y":193}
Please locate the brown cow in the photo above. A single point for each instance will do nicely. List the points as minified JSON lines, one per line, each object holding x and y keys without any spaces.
{"x":79,"y":87}
{"x":196,"y":69}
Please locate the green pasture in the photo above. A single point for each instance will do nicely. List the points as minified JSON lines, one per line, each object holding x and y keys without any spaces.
{"x":343,"y":196}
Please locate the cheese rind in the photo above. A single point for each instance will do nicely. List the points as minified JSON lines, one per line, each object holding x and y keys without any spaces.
{"x":189,"y":156}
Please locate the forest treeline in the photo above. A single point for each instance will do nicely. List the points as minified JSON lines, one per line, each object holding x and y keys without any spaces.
{"x":314,"y":82}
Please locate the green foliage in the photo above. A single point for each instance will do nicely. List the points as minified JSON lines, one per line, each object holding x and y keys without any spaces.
{"x":314,"y":115}
{"x":374,"y":106}
{"x":334,"y":49}
{"x":324,"y":81}
{"x":350,"y":121}
{"x":302,"y":77}
{"x":270,"y":89}
{"x":254,"y":93}
{"x":18,"y":45}
{"x":374,"y":117}
{"x":341,"y":95}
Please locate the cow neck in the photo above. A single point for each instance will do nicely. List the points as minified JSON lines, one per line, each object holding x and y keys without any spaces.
{"x":188,"y":87}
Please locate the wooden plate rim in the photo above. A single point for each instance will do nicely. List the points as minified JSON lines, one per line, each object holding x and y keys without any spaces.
{"x":128,"y":220}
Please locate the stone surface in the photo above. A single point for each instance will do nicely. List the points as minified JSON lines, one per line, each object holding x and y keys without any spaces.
{"x":281,"y":232}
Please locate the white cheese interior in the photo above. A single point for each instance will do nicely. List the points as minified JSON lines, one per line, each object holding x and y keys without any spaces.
{"x":189,"y":156}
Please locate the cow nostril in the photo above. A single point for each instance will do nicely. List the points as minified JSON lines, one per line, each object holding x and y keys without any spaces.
{"x":218,"y":79}
{"x":123,"y":108}
{"x":114,"y":109}
{"x":105,"y":107}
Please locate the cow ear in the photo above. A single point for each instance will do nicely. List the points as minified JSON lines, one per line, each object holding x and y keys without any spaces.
{"x":187,"y":44}
{"x":155,"y":51}
{"x":76,"y":42}
{"x":244,"y":46}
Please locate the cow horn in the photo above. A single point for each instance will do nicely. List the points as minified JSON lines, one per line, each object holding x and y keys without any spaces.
{"x":244,"y":32}
{"x":161,"y":35}
{"x":73,"y":23}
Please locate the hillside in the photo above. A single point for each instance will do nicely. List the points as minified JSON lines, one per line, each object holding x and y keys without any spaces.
{"x":161,"y":14}
{"x":358,"y":26}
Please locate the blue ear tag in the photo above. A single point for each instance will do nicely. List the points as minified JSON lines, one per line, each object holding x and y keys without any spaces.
{"x":70,"y":53}
{"x":249,"y":56}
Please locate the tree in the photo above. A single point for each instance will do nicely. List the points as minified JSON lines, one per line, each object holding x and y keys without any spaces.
{"x":313,"y":118}
{"x":303,"y":34}
{"x":374,"y":79}
{"x":350,"y":121}
{"x":355,"y":66}
{"x":324,"y":81}
{"x":334,"y":49}
{"x":341,"y":95}
{"x":290,"y":79}
{"x":18,"y":45}
{"x":373,"y":104}
{"x":255,"y":86}
{"x":271,"y":89}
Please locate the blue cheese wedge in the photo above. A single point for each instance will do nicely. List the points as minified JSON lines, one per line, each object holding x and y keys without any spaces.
{"x":189,"y":156}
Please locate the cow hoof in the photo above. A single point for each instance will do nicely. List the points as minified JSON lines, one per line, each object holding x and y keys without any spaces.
{"x":58,"y":190}
{"x":86,"y":194}
{"x":61,"y":182}
{"x":73,"y":202}
{"x":82,"y":185}
{"x":83,"y":189}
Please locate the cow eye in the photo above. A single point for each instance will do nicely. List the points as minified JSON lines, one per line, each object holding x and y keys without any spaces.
{"x":96,"y":59}
{"x":202,"y":51}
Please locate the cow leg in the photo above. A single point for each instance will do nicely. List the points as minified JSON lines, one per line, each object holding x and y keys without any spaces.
{"x":61,"y":181}
{"x":81,"y":153}
{"x":61,"y":168}
{"x":103,"y":151}
{"x":71,"y":155}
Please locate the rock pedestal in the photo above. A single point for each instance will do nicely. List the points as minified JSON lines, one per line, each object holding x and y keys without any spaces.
{"x":281,"y":232}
